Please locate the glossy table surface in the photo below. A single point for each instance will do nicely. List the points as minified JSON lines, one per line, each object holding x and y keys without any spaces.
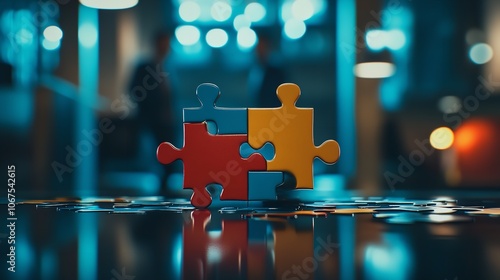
{"x":146,"y":238}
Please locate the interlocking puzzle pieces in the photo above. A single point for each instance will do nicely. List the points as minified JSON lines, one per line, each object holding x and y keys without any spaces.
{"x":205,"y":250}
{"x":228,"y":120}
{"x":290,"y":130}
{"x":212,"y":159}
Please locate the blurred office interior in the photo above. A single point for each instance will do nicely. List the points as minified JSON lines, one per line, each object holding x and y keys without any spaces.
{"x":382,"y":76}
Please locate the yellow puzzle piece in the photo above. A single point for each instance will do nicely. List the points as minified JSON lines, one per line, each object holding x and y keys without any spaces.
{"x":290,"y":130}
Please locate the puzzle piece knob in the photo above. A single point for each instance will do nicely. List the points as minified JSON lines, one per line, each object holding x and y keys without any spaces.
{"x":201,"y":199}
{"x":288,"y":94}
{"x":329,"y":151}
{"x":167,"y":153}
{"x":208,"y":94}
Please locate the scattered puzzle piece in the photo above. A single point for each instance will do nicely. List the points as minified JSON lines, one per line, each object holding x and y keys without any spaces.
{"x":228,"y":120}
{"x":212,"y":159}
{"x":291,"y":214}
{"x":410,"y":218}
{"x":290,"y":130}
{"x":349,"y":211}
{"x":486,"y":211}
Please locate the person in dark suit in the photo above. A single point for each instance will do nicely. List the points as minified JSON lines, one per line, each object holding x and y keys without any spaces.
{"x":150,"y":90}
{"x":6,"y":74}
{"x":267,"y":74}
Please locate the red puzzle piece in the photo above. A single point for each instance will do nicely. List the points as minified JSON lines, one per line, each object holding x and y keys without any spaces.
{"x":206,"y":253}
{"x":212,"y":159}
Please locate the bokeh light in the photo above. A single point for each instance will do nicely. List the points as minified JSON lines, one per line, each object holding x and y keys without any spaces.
{"x":474,"y":36}
{"x":216,"y":38}
{"x":50,"y":45}
{"x":481,"y":53}
{"x":221,"y":11}
{"x":477,"y":153}
{"x":302,"y":9}
{"x":374,"y":70}
{"x":109,"y":4}
{"x":449,"y":104}
{"x":189,"y":11}
{"x":255,"y":11}
{"x":187,"y":35}
{"x":87,"y":35}
{"x":471,"y":134}
{"x":441,"y":138}
{"x":241,"y":21}
{"x":375,"y":39}
{"x":53,"y":33}
{"x":246,"y":38}
{"x":24,"y":36}
{"x":395,"y":39}
{"x":294,"y":29}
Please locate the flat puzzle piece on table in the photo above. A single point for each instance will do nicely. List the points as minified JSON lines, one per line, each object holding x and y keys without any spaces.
{"x":212,"y":159}
{"x":199,"y":247}
{"x":494,"y":212}
{"x":290,"y":130}
{"x":262,"y":185}
{"x":351,"y":211}
{"x":290,"y":214}
{"x":411,"y":217}
{"x":227,"y":120}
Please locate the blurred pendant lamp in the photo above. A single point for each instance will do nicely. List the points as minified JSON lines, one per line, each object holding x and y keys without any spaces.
{"x":109,"y":4}
{"x":374,"y":65}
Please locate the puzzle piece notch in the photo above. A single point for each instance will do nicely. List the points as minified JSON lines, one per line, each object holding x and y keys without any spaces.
{"x":290,"y":130}
{"x":267,"y":151}
{"x":216,"y":191}
{"x":228,"y":120}
{"x":212,"y":159}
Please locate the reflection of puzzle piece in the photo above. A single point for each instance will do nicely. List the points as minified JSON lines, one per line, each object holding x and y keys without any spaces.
{"x":215,"y":191}
{"x":262,"y":185}
{"x":228,"y":120}
{"x":206,"y":253}
{"x":212,"y":159}
{"x":290,"y":130}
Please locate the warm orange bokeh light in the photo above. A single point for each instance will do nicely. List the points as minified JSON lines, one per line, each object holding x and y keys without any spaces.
{"x":477,"y":153}
{"x":473,"y":133}
{"x":465,"y":138}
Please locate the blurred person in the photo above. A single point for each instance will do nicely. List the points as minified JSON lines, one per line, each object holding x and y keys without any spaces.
{"x":5,"y":74}
{"x":150,"y":89}
{"x":267,"y":74}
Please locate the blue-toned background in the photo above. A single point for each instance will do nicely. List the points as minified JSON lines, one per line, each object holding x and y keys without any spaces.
{"x":409,"y":89}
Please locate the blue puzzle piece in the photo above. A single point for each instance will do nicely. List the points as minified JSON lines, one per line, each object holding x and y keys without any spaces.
{"x":228,"y":120}
{"x":267,"y":151}
{"x":262,"y":184}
